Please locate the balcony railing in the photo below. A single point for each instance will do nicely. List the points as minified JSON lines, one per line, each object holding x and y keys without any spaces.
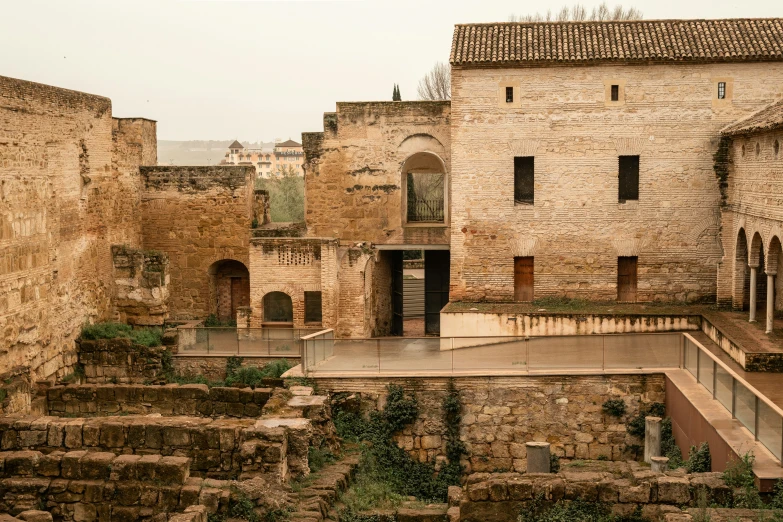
{"x":422,"y":210}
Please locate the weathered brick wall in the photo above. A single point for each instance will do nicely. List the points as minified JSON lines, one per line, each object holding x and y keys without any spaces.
{"x":576,"y":228}
{"x":294,"y":266}
{"x":70,"y":188}
{"x":501,"y":414}
{"x":754,"y":205}
{"x":118,"y":360}
{"x":198,"y":216}
{"x":355,"y":314}
{"x":353,"y":170}
{"x":189,"y":399}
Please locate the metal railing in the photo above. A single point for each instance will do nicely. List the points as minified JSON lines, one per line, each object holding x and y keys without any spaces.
{"x":425,"y":210}
{"x":762,"y":417}
{"x":273,"y":342}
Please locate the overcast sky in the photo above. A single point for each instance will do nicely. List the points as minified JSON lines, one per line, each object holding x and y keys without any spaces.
{"x":259,"y":69}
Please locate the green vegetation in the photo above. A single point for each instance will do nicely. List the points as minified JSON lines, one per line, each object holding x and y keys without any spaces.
{"x":286,"y":195}
{"x":236,"y":374}
{"x":635,"y":426}
{"x":144,"y":336}
{"x":317,"y":458}
{"x":387,"y":474}
{"x":614,"y":407}
{"x":669,"y":447}
{"x":699,"y":459}
{"x":739,"y":475}
{"x":243,"y":508}
{"x":554,"y":463}
{"x":76,"y":375}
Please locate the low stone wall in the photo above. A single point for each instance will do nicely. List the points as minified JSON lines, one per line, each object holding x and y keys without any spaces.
{"x":118,"y":360}
{"x":750,"y":361}
{"x":16,"y":391}
{"x":221,"y":448}
{"x":213,"y":367}
{"x":500,"y":497}
{"x":501,"y":414}
{"x":93,"y":400}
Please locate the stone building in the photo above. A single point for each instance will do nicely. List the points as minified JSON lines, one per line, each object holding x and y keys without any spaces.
{"x":630,"y":161}
{"x":283,"y":157}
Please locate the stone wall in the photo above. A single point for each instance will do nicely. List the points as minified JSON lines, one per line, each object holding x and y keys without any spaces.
{"x":500,"y":497}
{"x":70,"y":190}
{"x":141,"y":281}
{"x":576,"y":229}
{"x":261,"y":215}
{"x":218,"y":448}
{"x":501,"y":414}
{"x":353,"y":175}
{"x":118,"y":360}
{"x":213,"y":367}
{"x":189,"y":399}
{"x":197,"y":216}
{"x":753,"y":205}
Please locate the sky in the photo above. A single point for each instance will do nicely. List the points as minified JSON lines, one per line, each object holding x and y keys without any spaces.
{"x":260,"y":69}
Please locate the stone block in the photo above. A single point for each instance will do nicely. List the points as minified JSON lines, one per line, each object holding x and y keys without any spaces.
{"x":713,"y":486}
{"x":498,"y":491}
{"x":112,"y":435}
{"x":520,"y":488}
{"x":125,"y":468}
{"x":91,"y":435}
{"x":97,"y":465}
{"x":146,"y":467}
{"x":425,"y":514}
{"x":33,"y":438}
{"x":49,"y":465}
{"x":454,"y":495}
{"x":22,"y":463}
{"x":673,"y":490}
{"x":35,"y":516}
{"x":478,"y":492}
{"x":70,"y":466}
{"x":176,"y":436}
{"x":173,"y":470}
{"x":73,"y":433}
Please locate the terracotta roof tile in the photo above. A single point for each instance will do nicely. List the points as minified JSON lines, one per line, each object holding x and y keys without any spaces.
{"x":544,"y":43}
{"x":768,"y":118}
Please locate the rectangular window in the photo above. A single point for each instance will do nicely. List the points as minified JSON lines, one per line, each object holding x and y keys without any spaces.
{"x":509,"y":95}
{"x":629,"y":178}
{"x":313,"y":313}
{"x":626,"y":279}
{"x":524,"y":180}
{"x":615,"y":93}
{"x":523,"y":278}
{"x":721,"y":90}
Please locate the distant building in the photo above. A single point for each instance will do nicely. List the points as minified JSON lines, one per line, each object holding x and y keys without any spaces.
{"x":267,"y":160}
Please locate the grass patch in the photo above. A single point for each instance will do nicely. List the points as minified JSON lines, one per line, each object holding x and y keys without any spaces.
{"x":144,"y":336}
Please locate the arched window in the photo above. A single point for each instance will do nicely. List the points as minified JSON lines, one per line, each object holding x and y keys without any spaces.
{"x":278,"y":308}
{"x":776,"y":147}
{"x":424,"y":178}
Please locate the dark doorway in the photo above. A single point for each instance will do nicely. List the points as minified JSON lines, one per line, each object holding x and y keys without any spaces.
{"x":278,"y":308}
{"x":229,"y":289}
{"x":626,"y":279}
{"x":436,"y":288}
{"x":395,"y":259}
{"x":523,"y":279}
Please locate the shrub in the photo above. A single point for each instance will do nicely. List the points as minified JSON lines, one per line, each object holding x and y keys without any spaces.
{"x":317,"y":458}
{"x":635,"y":426}
{"x":699,"y":459}
{"x":739,"y":475}
{"x":144,"y":336}
{"x":554,"y":463}
{"x":252,"y":375}
{"x":614,"y":407}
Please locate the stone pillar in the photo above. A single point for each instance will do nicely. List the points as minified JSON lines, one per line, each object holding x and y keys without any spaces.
{"x":753,"y":273}
{"x":770,"y":301}
{"x":537,"y":457}
{"x":652,"y":438}
{"x":659,"y":464}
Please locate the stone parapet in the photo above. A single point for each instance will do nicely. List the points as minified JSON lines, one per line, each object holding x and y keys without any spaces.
{"x":118,"y":360}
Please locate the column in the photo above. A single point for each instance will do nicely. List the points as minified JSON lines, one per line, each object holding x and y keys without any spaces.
{"x":770,"y":301}
{"x":652,"y":438}
{"x":753,"y":271}
{"x":537,"y":457}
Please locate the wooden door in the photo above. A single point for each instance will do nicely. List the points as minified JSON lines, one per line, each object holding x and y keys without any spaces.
{"x":240,"y":294}
{"x":626,"y":279}
{"x":523,"y":279}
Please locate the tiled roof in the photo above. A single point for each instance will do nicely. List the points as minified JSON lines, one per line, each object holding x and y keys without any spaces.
{"x":236,"y":145}
{"x":545,"y":43}
{"x":289,"y":143}
{"x":768,"y":118}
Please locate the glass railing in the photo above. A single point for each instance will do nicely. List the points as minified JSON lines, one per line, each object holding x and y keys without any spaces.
{"x":273,"y":342}
{"x":753,"y":410}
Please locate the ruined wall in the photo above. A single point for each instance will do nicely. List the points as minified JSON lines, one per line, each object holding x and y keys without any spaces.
{"x":501,"y":414}
{"x":576,"y":227}
{"x":198,"y":216}
{"x":355,"y":316}
{"x":754,"y":205}
{"x":294,"y":266}
{"x":141,"y":281}
{"x":69,"y":189}
{"x":352,"y":170}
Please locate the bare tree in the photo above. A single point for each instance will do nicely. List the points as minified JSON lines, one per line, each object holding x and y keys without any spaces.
{"x":578,"y":13}
{"x":436,"y":84}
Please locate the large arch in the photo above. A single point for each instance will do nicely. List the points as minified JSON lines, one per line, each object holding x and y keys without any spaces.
{"x":229,"y":288}
{"x":425,"y":191}
{"x":278,"y":308}
{"x":741,"y":294}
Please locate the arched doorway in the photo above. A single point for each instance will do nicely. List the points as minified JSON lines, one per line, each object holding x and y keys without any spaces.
{"x":278,"y":308}
{"x":229,"y":289}
{"x":741,"y":273}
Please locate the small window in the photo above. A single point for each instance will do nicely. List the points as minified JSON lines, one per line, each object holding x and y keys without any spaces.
{"x":278,"y":308}
{"x":313,"y":313}
{"x":524,"y":178}
{"x":509,"y":95}
{"x":776,"y":147}
{"x":629,"y":178}
{"x":721,"y":90}
{"x":758,"y":149}
{"x":743,"y":151}
{"x":615,"y":93}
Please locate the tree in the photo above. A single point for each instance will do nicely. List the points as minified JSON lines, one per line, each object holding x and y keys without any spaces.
{"x":436,"y":84}
{"x":396,"y":93}
{"x":286,"y":194}
{"x":578,"y":13}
